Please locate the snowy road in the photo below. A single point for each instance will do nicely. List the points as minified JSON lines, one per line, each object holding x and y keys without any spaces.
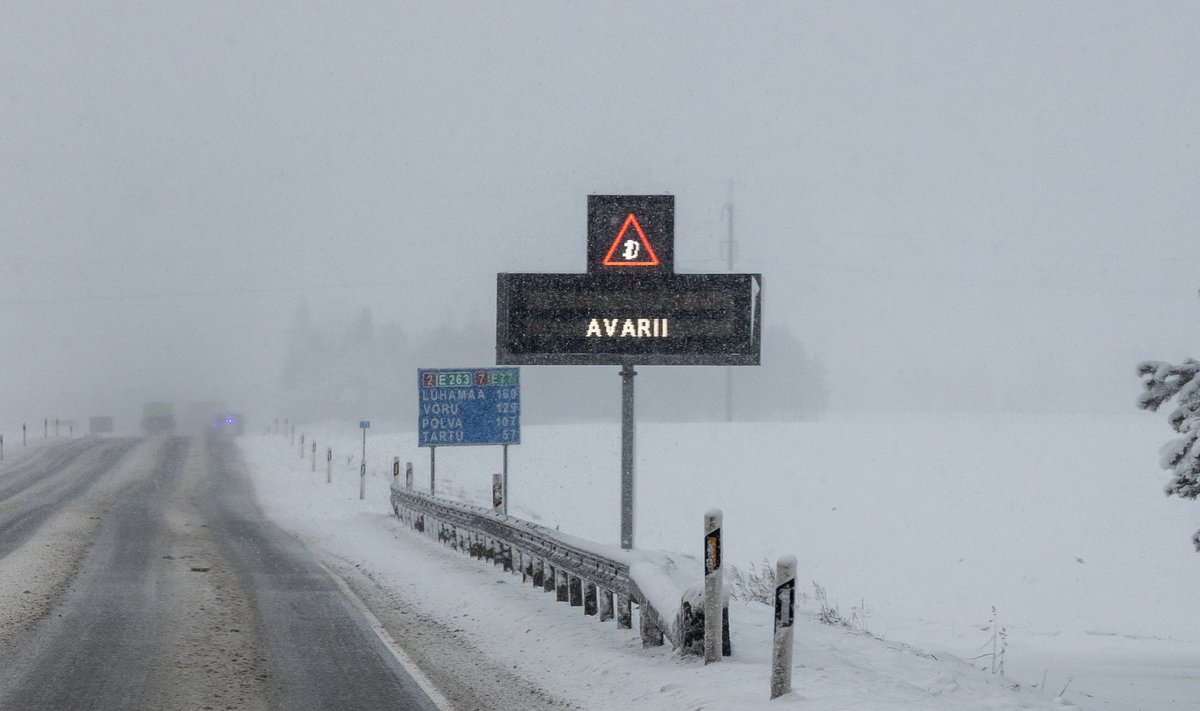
{"x":184,"y":598}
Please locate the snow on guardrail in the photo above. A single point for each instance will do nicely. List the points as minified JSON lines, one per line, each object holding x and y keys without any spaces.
{"x":668,"y":588}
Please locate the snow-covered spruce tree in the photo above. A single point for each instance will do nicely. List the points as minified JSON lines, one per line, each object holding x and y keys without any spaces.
{"x":1180,"y":456}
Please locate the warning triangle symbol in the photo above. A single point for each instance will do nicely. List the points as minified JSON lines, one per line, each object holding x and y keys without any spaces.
{"x":628,"y":251}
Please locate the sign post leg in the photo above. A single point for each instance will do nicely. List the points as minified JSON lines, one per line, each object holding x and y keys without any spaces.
{"x":504,"y":509}
{"x":627,"y":373}
{"x":432,"y":471}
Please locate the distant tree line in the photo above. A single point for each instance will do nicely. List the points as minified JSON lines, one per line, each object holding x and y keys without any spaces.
{"x":354,"y":369}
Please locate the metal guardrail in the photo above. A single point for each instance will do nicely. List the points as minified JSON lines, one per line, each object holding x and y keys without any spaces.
{"x":554,"y":561}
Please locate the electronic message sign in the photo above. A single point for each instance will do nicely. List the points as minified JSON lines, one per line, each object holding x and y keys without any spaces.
{"x":580,"y":319}
{"x":465,"y":406}
{"x":629,"y":307}
{"x":631,"y":234}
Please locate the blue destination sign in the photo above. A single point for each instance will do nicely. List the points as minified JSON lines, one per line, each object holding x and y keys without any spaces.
{"x":465,"y":406}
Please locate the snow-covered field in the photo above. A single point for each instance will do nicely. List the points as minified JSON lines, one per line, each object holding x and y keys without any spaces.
{"x":915,"y":527}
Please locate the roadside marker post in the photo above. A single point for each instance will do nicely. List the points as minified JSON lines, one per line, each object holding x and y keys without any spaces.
{"x":408,"y":476}
{"x":362,"y":469}
{"x":314,"y":455}
{"x":712,"y":585}
{"x":329,"y":465}
{"x":785,"y":618}
{"x":499,"y":499}
{"x":302,"y":446}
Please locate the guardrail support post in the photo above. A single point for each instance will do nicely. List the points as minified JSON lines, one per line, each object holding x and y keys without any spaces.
{"x":575,"y":590}
{"x":589,"y":598}
{"x":652,"y":636}
{"x":624,"y":613}
{"x":561,"y":586}
{"x":785,"y":616}
{"x":539,"y":572}
{"x":606,"y":605}
{"x":549,"y":579}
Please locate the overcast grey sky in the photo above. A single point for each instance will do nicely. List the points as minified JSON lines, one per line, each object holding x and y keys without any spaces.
{"x":952,"y":204}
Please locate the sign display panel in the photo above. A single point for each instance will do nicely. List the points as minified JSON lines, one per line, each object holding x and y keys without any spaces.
{"x":468,"y":406}
{"x":585,"y":319}
{"x":631,"y":234}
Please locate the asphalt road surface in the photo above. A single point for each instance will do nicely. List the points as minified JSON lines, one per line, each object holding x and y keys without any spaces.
{"x":181,"y":595}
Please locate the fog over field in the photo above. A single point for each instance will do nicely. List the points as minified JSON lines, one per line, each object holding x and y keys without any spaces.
{"x":954,"y":206}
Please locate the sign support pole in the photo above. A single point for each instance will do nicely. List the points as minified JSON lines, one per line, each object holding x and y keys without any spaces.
{"x":504,"y":471}
{"x":627,"y":373}
{"x":432,"y":471}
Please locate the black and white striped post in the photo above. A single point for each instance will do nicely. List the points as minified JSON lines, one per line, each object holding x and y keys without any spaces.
{"x":498,"y":494}
{"x":785,"y":617}
{"x":329,"y":465}
{"x":712,"y":586}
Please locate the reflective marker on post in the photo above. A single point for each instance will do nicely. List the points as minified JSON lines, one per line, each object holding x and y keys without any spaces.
{"x":785,"y":617}
{"x":712,"y":586}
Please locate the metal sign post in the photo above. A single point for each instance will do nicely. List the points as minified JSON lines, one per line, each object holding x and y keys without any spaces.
{"x":627,"y":432}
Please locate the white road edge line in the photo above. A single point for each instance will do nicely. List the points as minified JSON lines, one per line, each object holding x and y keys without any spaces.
{"x":384,"y":636}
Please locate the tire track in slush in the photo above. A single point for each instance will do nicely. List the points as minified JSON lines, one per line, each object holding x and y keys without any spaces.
{"x":94,"y":653}
{"x":63,"y":480}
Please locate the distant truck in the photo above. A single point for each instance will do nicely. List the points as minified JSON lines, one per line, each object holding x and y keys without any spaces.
{"x":158,"y":417}
{"x":100,"y":426}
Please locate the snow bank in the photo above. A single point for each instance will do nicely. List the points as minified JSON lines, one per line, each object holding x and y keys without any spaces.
{"x":931,"y":524}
